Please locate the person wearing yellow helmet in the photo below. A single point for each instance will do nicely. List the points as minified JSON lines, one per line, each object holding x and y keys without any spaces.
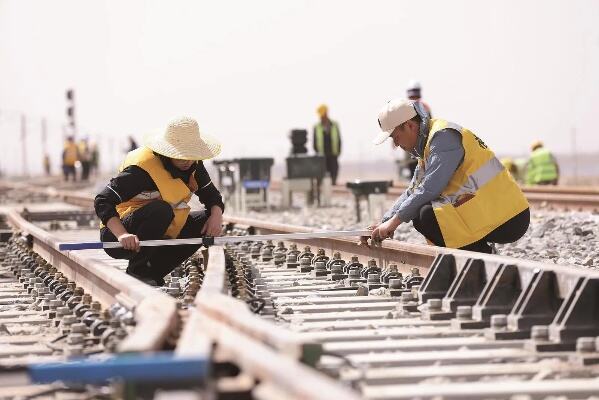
{"x":326,"y":140}
{"x":542,"y":168}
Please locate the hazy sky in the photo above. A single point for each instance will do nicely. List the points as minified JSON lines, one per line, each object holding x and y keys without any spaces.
{"x":249,"y":71}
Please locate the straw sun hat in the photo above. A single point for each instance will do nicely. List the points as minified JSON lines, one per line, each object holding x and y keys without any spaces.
{"x":182,"y":140}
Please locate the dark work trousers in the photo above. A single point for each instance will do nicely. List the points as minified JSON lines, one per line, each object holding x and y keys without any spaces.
{"x":69,"y":170}
{"x":512,"y":230}
{"x":85,"y":166}
{"x":332,"y":167}
{"x":150,"y":222}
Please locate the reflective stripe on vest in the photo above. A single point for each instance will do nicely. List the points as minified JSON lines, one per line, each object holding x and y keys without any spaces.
{"x":334,"y":139}
{"x":173,"y":191}
{"x":541,"y":167}
{"x":480,"y":196}
{"x":476,"y":180}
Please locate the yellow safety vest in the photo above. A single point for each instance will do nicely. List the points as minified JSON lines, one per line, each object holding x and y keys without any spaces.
{"x":480,"y":196}
{"x":541,"y":167}
{"x":70,"y":154}
{"x":172,"y":190}
{"x":334,"y":139}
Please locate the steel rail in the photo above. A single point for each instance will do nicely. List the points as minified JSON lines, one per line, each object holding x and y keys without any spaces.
{"x":404,"y":254}
{"x":265,"y":351}
{"x":155,"y":312}
{"x":560,"y":197}
{"x":577,"y":200}
{"x":445,"y":331}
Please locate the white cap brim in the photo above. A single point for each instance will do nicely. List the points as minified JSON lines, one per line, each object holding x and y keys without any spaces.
{"x":381,"y":137}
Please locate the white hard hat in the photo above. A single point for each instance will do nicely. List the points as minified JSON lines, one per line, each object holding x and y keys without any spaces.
{"x":414,"y":85}
{"x":393,"y":114}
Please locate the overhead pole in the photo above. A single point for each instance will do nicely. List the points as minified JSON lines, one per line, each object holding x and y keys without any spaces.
{"x":45,"y":155}
{"x":25,"y":168}
{"x":70,"y":94}
{"x":575,"y":154}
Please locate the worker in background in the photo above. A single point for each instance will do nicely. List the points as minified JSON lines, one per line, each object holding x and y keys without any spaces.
{"x":85,"y":157}
{"x":414,"y":93}
{"x":461,"y":195}
{"x":132,"y":143}
{"x":70,"y":156}
{"x":542,"y":168}
{"x":95,"y":158}
{"x":47,"y":164}
{"x":327,"y":141}
{"x":149,"y":199}
{"x":511,"y":166}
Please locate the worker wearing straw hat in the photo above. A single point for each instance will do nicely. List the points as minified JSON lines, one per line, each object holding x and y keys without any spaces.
{"x":149,"y":199}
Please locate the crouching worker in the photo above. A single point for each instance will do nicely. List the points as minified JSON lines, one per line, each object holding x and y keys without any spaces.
{"x":461,"y":196}
{"x":149,"y":199}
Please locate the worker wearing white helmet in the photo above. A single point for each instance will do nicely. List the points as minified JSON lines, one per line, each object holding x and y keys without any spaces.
{"x":461,"y":195}
{"x":414,"y":92}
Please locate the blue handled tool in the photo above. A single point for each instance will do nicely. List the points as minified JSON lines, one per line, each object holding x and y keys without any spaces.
{"x":219,"y":241}
{"x":161,"y":366}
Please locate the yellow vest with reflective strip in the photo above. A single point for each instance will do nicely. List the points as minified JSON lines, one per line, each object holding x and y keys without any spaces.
{"x":541,"y":167}
{"x":172,"y":190}
{"x":70,"y":154}
{"x":334,"y":132}
{"x":480,"y":196}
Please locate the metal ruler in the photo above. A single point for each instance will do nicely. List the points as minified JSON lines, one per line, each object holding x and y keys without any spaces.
{"x":218,"y":241}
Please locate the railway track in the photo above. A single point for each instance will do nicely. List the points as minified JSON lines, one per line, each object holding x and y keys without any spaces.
{"x":569,"y":198}
{"x":550,"y":197}
{"x":476,"y":326}
{"x":399,"y":321}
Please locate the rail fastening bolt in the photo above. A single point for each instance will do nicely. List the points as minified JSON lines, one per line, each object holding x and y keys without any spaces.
{"x":405,"y":296}
{"x":434,"y":304}
{"x":464,"y":312}
{"x":539,"y":332}
{"x":396,"y":284}
{"x":585,"y":344}
{"x":498,"y":321}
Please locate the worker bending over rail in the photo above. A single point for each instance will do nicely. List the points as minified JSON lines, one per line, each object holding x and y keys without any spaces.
{"x":461,"y":196}
{"x":542,"y":168}
{"x":149,"y":199}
